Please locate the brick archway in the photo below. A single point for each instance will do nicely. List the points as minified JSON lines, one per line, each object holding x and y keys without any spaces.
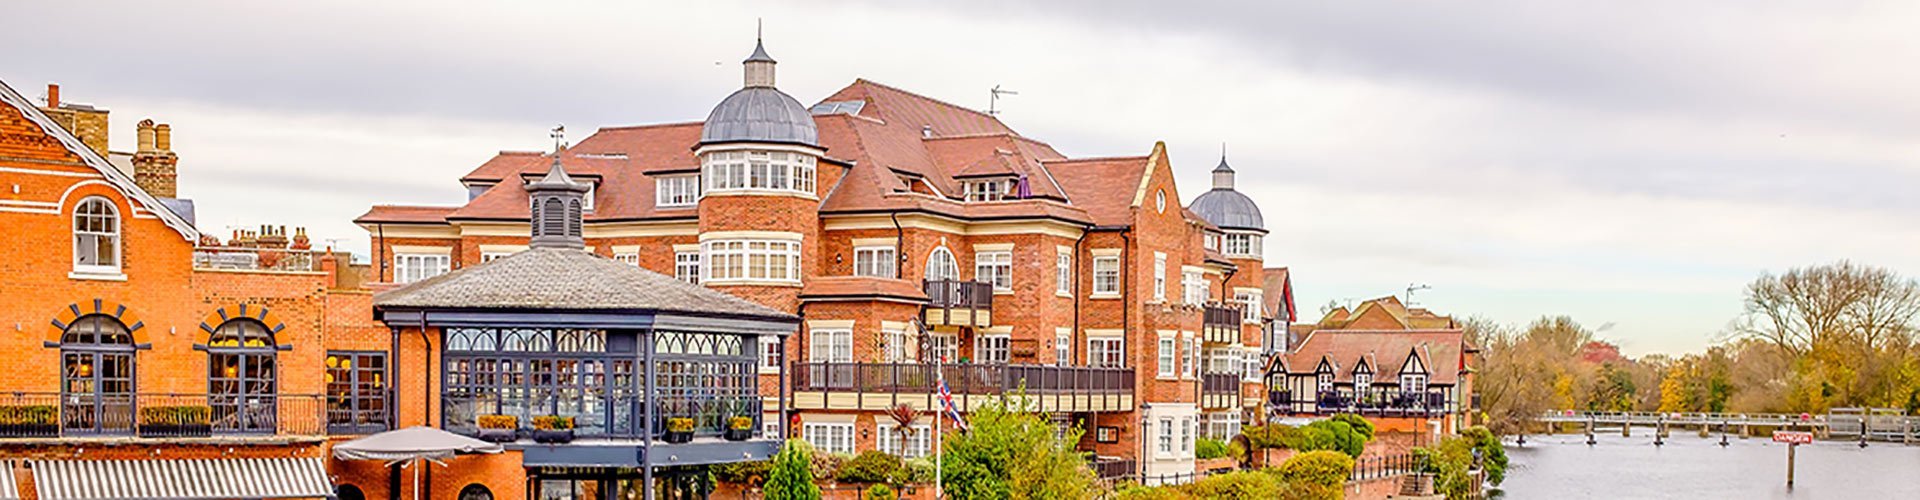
{"x":73,"y":312}
{"x":254,"y":312}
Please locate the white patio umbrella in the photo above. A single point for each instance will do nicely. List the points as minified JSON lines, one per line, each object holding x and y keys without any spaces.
{"x":412,"y":446}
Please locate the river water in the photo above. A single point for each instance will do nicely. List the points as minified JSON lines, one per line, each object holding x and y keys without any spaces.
{"x":1688,"y":466}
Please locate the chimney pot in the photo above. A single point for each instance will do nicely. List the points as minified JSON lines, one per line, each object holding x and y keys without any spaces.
{"x":146,"y":134}
{"x":163,"y":137}
{"x":53,"y":95}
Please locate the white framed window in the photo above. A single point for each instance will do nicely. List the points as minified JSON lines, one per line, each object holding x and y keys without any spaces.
{"x":989,"y":189}
{"x":1106,"y":275}
{"x":1223,"y":425}
{"x":994,"y":267}
{"x":676,"y":191}
{"x":758,"y":170}
{"x":1249,"y":305}
{"x":944,"y":346}
{"x":1413,"y":383}
{"x":752,"y":260}
{"x":586,"y":200}
{"x":1253,"y":366}
{"x":1186,"y":435}
{"x":1166,"y":436}
{"x":1160,"y":201}
{"x":1107,"y":352}
{"x":1224,"y":360}
{"x":1193,"y":287}
{"x":1062,"y":349}
{"x":941,"y":266}
{"x":828,"y":438}
{"x":887,"y":439}
{"x":1323,"y":381}
{"x":411,"y":267}
{"x":1242,"y":245}
{"x":490,"y":256}
{"x":991,"y":348}
{"x":874,"y":261}
{"x":830,"y":346}
{"x":96,"y":236}
{"x":686,"y":266}
{"x":1063,"y":273}
{"x":1168,"y":356}
{"x":1212,"y":241}
{"x":1193,"y":356}
{"x":1362,"y":381}
{"x":1159,"y":276}
{"x":769,"y":353}
{"x":899,"y":347}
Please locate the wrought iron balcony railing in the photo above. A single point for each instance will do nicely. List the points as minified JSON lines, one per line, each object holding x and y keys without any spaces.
{"x":55,"y":415}
{"x":1385,"y":402}
{"x":917,"y":378}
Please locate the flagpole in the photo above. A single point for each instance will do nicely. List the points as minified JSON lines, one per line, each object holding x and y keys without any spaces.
{"x":937,"y":434}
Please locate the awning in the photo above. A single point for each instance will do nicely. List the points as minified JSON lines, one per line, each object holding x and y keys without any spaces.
{"x":181,"y":479}
{"x":412,"y":443}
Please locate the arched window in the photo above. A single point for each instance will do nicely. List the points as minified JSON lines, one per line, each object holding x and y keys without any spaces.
{"x":96,"y":375}
{"x":96,"y":236}
{"x":348,"y":492}
{"x":241,"y":376}
{"x":476,"y":491}
{"x":941,"y":266}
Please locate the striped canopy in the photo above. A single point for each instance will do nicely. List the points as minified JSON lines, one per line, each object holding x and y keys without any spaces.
{"x":181,"y":479}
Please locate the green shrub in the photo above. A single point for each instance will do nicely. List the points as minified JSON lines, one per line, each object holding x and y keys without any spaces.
{"x":1137,"y":492}
{"x":792,"y":475}
{"x":1245,"y":485}
{"x":1270,"y":436}
{"x":1330,"y":435}
{"x":750,"y":473}
{"x":1317,"y":474}
{"x":880,"y":492}
{"x":29,"y":414}
{"x":1012,"y":453}
{"x":918,"y":471}
{"x":1358,"y":423}
{"x":827,"y":465}
{"x":1205,"y":448}
{"x":872,"y":466}
{"x":1493,"y":456}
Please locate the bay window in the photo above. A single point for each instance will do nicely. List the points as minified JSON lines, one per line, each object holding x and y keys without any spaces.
{"x":759,"y":170}
{"x":1243,"y":245}
{"x":752,"y":260}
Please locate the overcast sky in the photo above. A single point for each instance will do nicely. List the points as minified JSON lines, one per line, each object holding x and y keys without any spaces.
{"x":1626,"y":163}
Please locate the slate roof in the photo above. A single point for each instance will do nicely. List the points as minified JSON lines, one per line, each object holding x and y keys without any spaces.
{"x":566,"y":279}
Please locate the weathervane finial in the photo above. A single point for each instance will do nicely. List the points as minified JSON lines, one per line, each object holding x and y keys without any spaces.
{"x":559,"y":135}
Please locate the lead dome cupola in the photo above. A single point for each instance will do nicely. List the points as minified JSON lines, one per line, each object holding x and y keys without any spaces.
{"x":1225,"y":207}
{"x":759,"y":112}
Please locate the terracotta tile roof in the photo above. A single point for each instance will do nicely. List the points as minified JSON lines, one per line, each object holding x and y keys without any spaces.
{"x":1442,"y":352}
{"x":1277,"y":289}
{"x":841,"y":287}
{"x":404,"y":214}
{"x":1103,"y":187}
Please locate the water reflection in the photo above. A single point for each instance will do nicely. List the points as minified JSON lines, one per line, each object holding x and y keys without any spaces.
{"x":1688,"y":466}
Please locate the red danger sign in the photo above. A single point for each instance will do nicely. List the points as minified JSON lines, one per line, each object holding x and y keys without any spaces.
{"x":1792,"y":437}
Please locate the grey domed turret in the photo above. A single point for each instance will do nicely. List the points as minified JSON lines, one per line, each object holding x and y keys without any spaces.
{"x":1225,"y":207}
{"x":758,"y":112}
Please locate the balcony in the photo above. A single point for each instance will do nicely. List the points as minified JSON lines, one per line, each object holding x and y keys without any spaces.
{"x":180,"y":416}
{"x":878,"y":386}
{"x":1386,"y":403}
{"x":959,"y":303}
{"x":1219,"y":390}
{"x":280,"y":260}
{"x":1279,"y":399}
{"x":1220,"y":324}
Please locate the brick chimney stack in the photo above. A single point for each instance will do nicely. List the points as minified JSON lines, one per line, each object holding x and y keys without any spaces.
{"x":154,"y":164}
{"x":84,"y":121}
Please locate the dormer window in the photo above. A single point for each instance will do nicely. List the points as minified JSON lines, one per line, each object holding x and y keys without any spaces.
{"x":994,"y":189}
{"x":676,"y":191}
{"x":586,"y":200}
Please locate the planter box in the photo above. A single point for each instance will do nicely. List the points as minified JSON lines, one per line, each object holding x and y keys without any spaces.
{"x":739,"y":434}
{"x":553,"y":436}
{"x":498,"y":435}
{"x":29,"y":430}
{"x":176,"y":430}
{"x":678,"y":437}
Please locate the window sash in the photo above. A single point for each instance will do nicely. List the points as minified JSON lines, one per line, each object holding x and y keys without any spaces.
{"x":1167,"y":356}
{"x":96,"y":236}
{"x":1160,"y":277}
{"x":1249,"y":306}
{"x":995,"y":268}
{"x":412,"y":267}
{"x":993,"y":348}
{"x":874,"y":261}
{"x":686,"y":266}
{"x":830,"y":346}
{"x":758,"y":170}
{"x":829,"y":438}
{"x":1106,"y":275}
{"x":1063,"y":273}
{"x":1063,"y":349}
{"x":769,"y":352}
{"x":1193,"y":357}
{"x":751,"y":260}
{"x":1106,"y":352}
{"x":1193,"y":284}
{"x":676,"y":191}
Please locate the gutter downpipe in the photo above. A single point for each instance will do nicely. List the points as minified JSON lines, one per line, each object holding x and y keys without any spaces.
{"x":393,"y":409}
{"x":899,"y":244}
{"x":1126,"y":321}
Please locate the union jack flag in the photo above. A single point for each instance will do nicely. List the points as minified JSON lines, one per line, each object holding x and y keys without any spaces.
{"x":946,"y":403}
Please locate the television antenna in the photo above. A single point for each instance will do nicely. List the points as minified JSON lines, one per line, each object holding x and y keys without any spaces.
{"x":1415,"y":288}
{"x":993,"y":103}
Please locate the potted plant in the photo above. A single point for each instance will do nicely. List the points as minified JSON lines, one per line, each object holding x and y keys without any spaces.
{"x":552,"y":429}
{"x":679,"y":430}
{"x":29,"y":421}
{"x":498,"y":428}
{"x":739,"y":428}
{"x":176,"y":421}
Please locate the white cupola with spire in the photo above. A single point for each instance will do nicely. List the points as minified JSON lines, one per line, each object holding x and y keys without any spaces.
{"x":759,"y":140}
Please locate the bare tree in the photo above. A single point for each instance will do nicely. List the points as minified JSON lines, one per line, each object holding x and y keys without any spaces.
{"x":1830,"y":306}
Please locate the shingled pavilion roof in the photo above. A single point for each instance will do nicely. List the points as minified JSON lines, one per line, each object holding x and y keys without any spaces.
{"x":567,"y":279}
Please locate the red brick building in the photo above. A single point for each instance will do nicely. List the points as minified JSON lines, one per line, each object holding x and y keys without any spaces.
{"x":142,"y":349}
{"x":903,"y":230}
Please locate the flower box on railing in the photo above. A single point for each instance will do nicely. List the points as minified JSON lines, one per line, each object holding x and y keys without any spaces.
{"x":553,"y":429}
{"x":29,"y":421}
{"x":498,"y":428}
{"x":176,"y":421}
